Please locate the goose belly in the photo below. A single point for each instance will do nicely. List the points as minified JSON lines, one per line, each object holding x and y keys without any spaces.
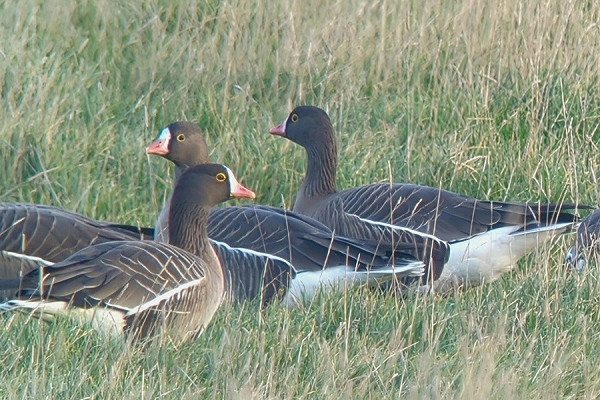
{"x":485,"y":257}
{"x":106,"y":320}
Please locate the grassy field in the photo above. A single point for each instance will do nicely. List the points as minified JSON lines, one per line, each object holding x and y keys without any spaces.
{"x":498,"y":101}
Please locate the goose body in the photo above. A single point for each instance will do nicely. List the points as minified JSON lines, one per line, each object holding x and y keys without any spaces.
{"x":317,"y":256}
{"x":143,"y":288}
{"x":273,"y":234}
{"x":485,"y":238}
{"x":305,"y":243}
{"x":160,"y":286}
{"x":33,"y":234}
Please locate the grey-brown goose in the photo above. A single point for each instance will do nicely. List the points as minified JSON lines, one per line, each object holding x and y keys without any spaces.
{"x":271,"y":233}
{"x":587,"y":242}
{"x":34,"y":234}
{"x":486,"y":238}
{"x":142,"y":287}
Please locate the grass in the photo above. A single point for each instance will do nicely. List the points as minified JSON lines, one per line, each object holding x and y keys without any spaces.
{"x":497,"y":101}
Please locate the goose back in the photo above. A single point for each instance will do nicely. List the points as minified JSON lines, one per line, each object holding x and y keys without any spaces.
{"x":53,"y":233}
{"x":447,"y":215}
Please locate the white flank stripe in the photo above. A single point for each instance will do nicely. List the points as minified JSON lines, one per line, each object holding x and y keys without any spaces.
{"x":255,"y":253}
{"x":339,"y":277}
{"x":399,"y":228}
{"x":104,"y":320}
{"x":165,"y":296}
{"x":26,"y":257}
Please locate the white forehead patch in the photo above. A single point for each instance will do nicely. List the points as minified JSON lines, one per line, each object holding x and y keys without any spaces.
{"x":165,"y":134}
{"x":230,"y":174}
{"x":233,"y":182}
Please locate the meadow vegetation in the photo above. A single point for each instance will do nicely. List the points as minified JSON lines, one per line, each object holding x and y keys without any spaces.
{"x":497,"y":100}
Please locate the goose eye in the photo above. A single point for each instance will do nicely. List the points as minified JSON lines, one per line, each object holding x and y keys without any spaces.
{"x":294,"y":117}
{"x":221,"y":177}
{"x":180,"y":137}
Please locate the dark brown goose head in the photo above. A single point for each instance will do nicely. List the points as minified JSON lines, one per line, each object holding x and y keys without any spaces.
{"x":308,"y":126}
{"x":311,"y":128}
{"x":196,"y":191}
{"x":182,"y":143}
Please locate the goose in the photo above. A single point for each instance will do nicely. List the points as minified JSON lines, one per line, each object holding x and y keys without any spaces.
{"x":317,"y":255}
{"x":486,"y":238}
{"x":587,"y":241}
{"x":144,"y":288}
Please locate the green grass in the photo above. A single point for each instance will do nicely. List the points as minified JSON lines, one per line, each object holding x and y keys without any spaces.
{"x":498,"y":101}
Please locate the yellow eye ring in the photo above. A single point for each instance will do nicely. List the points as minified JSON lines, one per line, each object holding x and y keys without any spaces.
{"x":294,"y":118}
{"x":221,"y":177}
{"x":180,"y":137}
